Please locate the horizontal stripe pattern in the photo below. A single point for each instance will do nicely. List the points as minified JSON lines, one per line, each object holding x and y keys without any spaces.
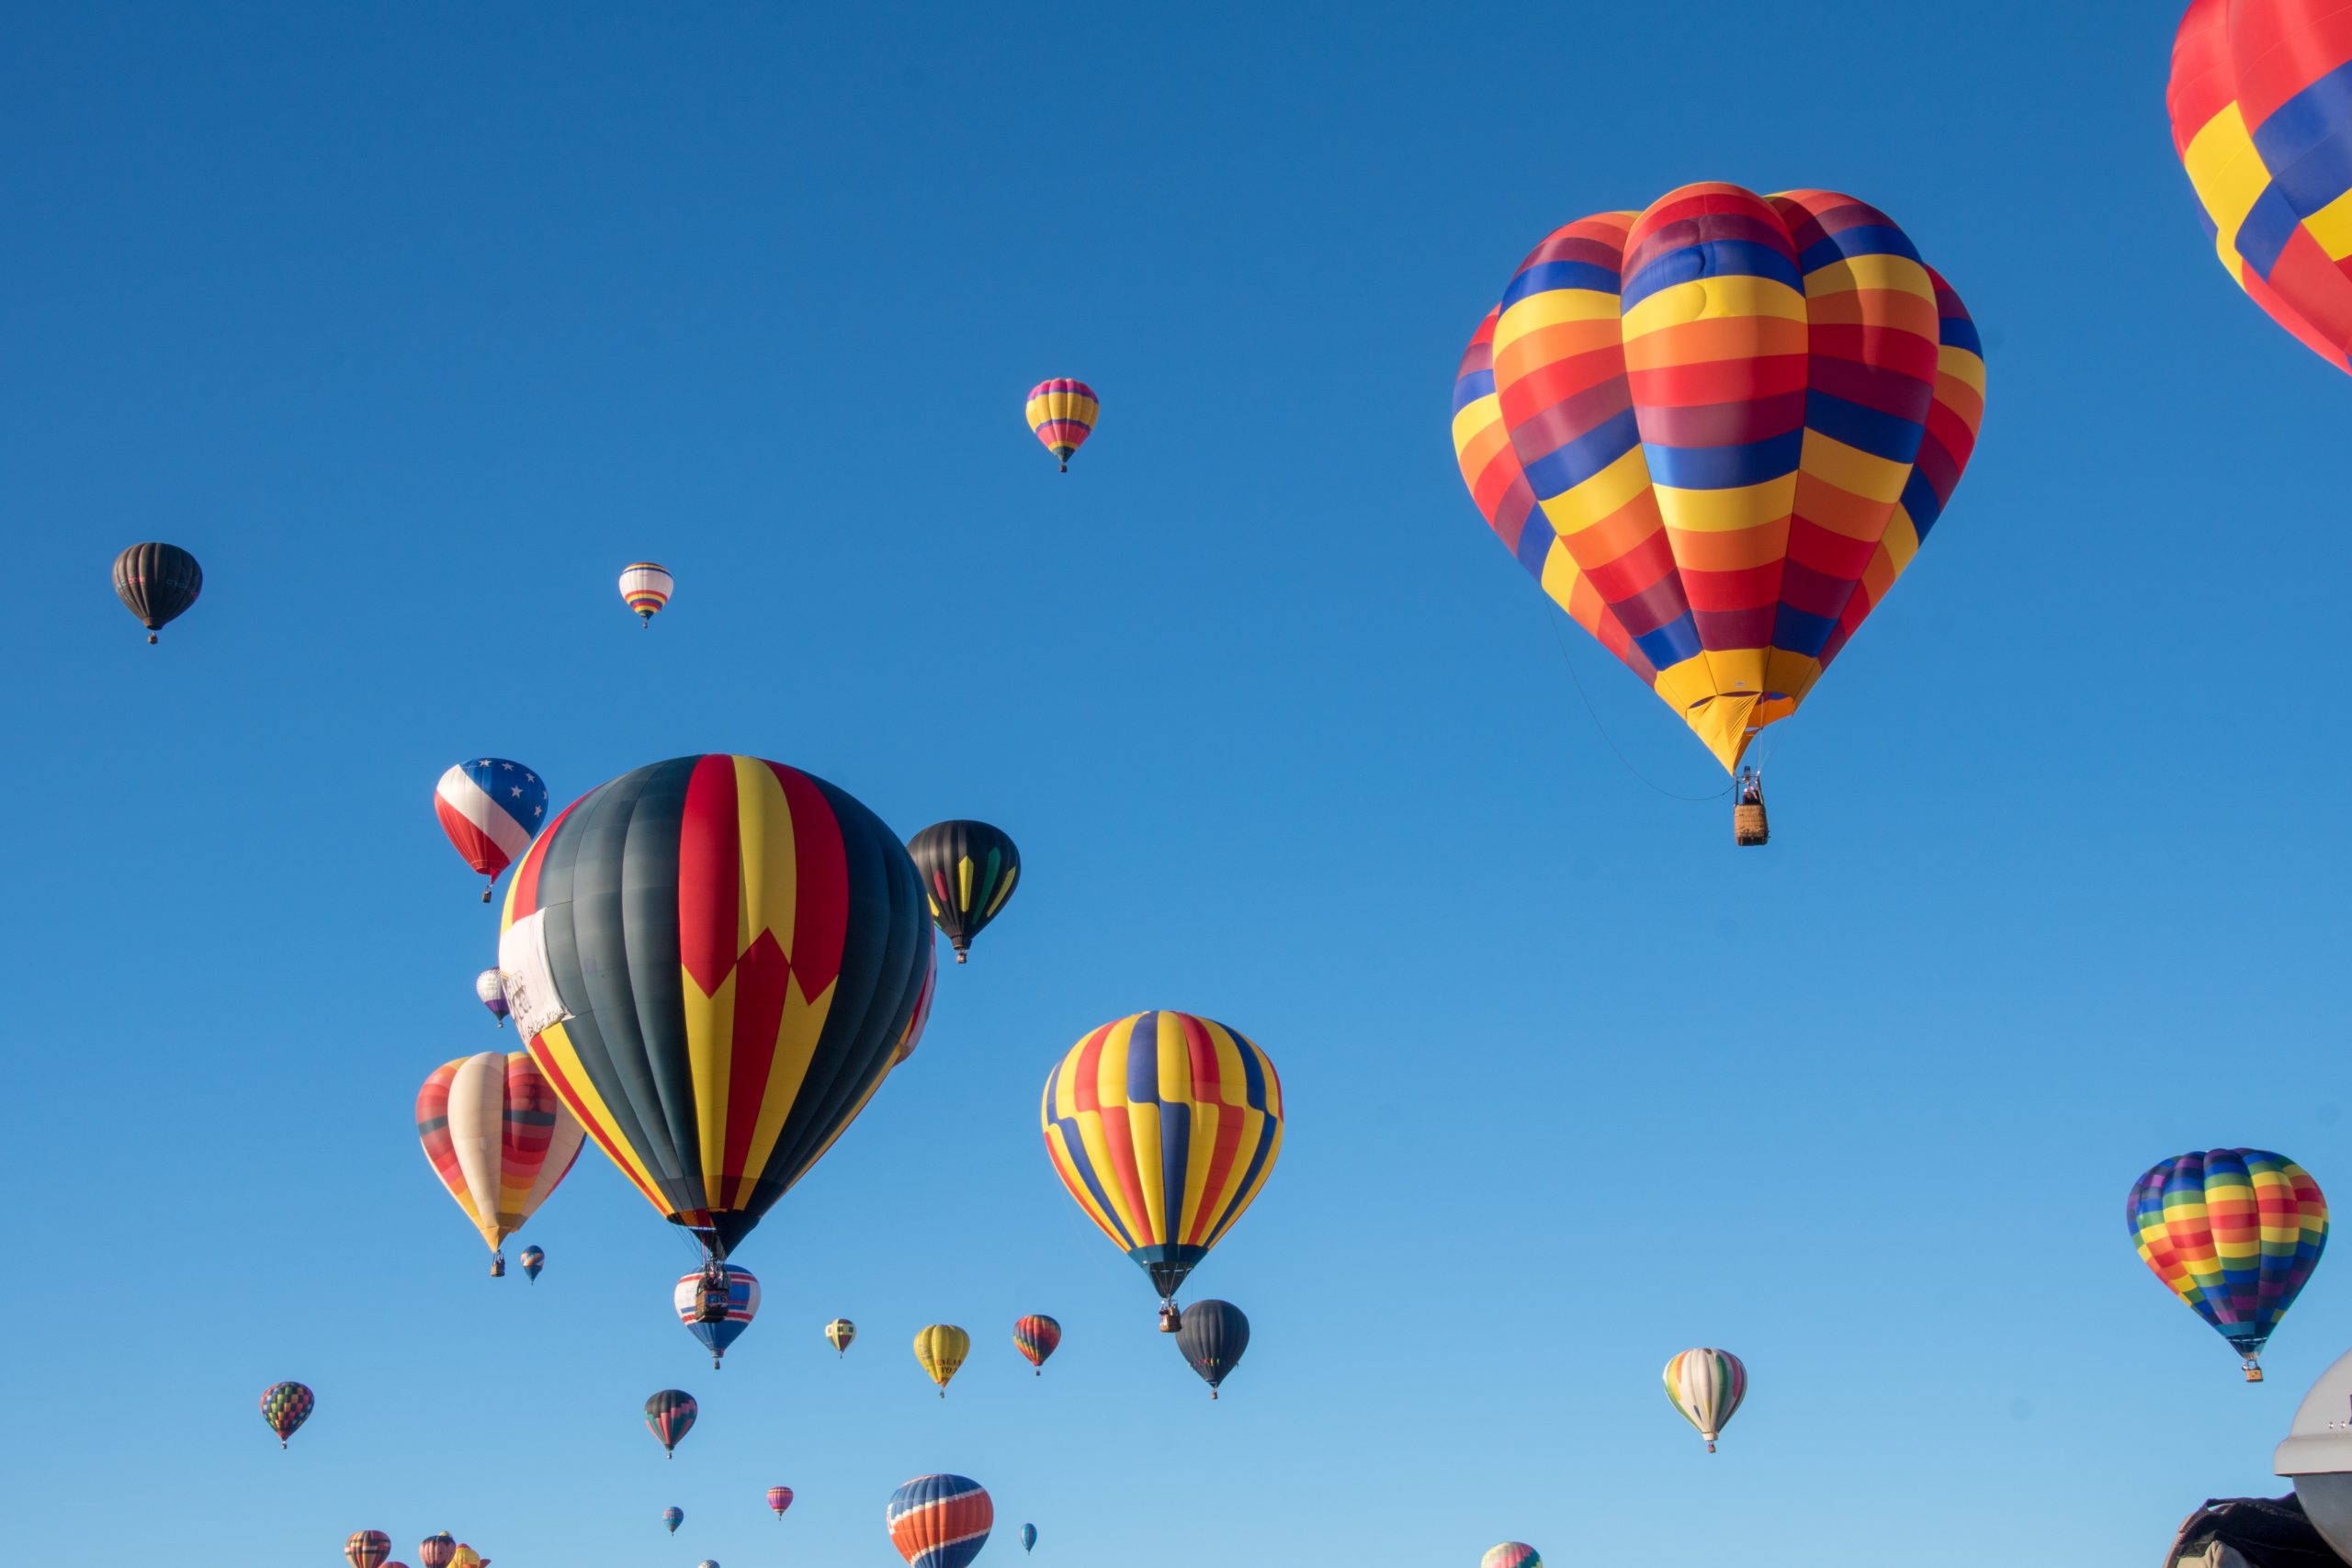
{"x":939,"y":1522}
{"x":2234,"y":1233}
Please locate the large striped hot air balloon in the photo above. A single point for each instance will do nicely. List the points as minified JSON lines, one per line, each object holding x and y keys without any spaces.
{"x":742,"y":1305}
{"x":715,"y":960}
{"x":286,"y":1405}
{"x":1062,"y":413}
{"x":2234,"y":1234}
{"x":968,"y":870}
{"x":1164,"y":1127}
{"x":490,"y":807}
{"x":157,"y":583}
{"x":1706,"y":1386}
{"x":367,"y":1548}
{"x":940,"y":1349}
{"x":2262,"y":120}
{"x":1212,"y":1338}
{"x":939,"y":1522}
{"x":498,"y":1138}
{"x":670,"y":1416}
{"x":921,"y":1017}
{"x":1035,"y":1337}
{"x":1716,"y":432}
{"x":645,"y":588}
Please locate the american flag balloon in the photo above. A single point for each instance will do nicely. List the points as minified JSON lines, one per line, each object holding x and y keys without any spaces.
{"x":491,"y":809}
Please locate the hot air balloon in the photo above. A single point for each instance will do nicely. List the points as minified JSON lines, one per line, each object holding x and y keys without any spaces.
{"x":941,"y":1349}
{"x":467,"y":1557}
{"x":1716,"y":432}
{"x":1511,"y":1555}
{"x":1062,"y":413}
{"x":742,"y":1305}
{"x":286,"y":1405}
{"x":968,"y":870}
{"x":674,"y":1516}
{"x":1213,"y":1335}
{"x":2259,"y":121}
{"x":367,"y":1548}
{"x":490,"y":807}
{"x":157,"y":583}
{"x":435,"y":1551}
{"x":772,"y":941}
{"x":2234,"y":1233}
{"x":839,"y":1333}
{"x":533,"y":1259}
{"x":1706,"y":1386}
{"x":1164,"y":1126}
{"x":921,"y":1015}
{"x":1028,"y":1538}
{"x":644,"y":587}
{"x":939,"y":1522}
{"x":493,"y":995}
{"x":670,"y":1416}
{"x":779,"y":1499}
{"x":1035,"y":1336}
{"x":498,"y":1138}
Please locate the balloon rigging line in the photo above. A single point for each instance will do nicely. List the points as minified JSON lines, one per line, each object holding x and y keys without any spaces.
{"x":1544,"y":607}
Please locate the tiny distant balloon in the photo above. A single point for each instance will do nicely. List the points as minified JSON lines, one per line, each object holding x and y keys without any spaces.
{"x":839,"y":1333}
{"x":779,"y":1499}
{"x":1212,"y":1336}
{"x":645,"y":588}
{"x":941,"y":1349}
{"x":2234,"y":1234}
{"x":1062,"y":413}
{"x":1028,"y":1538}
{"x":939,"y":1522}
{"x":968,"y":870}
{"x":1706,"y":1386}
{"x":157,"y":583}
{"x":490,"y":807}
{"x":286,"y":1405}
{"x":1511,"y":1555}
{"x":367,"y":1548}
{"x":742,"y":1305}
{"x":533,"y":1259}
{"x":492,"y":989}
{"x":1035,"y":1336}
{"x":674,"y":1516}
{"x":670,"y":1416}
{"x":435,"y":1551}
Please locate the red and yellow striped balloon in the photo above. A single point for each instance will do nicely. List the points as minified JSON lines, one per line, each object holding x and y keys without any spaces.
{"x":1062,"y":413}
{"x":497,"y":1137}
{"x":1716,"y":432}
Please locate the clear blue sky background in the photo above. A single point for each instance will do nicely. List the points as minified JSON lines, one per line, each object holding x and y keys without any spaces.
{"x":417,"y":324}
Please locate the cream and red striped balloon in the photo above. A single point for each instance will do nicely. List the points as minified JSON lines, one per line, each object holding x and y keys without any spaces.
{"x":1706,"y":1386}
{"x":497,"y":1137}
{"x":1511,"y":1555}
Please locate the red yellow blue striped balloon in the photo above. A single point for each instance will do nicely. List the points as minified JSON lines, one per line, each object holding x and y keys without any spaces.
{"x":1062,"y":413}
{"x":1164,"y":1127}
{"x":2261,"y":105}
{"x":939,"y":1522}
{"x":1511,"y":1555}
{"x":2234,"y":1234}
{"x":1726,"y":423}
{"x":1706,"y":1386}
{"x":646,"y":586}
{"x":1036,"y":1337}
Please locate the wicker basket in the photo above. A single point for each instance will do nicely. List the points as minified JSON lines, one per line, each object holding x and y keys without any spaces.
{"x":1749,"y":826}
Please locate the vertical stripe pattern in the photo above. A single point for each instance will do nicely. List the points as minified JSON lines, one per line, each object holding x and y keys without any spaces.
{"x":497,"y":1137}
{"x":1706,"y":1385}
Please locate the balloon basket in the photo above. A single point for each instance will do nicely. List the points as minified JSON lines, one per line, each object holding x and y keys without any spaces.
{"x":1749,"y":826}
{"x":150,"y":640}
{"x":2253,"y":1372}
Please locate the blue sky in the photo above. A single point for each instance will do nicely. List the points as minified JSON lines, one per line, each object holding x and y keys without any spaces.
{"x":416,"y":326}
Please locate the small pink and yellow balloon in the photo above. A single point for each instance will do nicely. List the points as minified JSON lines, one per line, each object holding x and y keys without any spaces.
{"x":1062,"y":413}
{"x":779,"y":1499}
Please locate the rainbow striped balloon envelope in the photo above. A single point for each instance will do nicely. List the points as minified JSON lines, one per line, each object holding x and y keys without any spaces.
{"x":939,"y":1522}
{"x":2261,"y":105}
{"x":2234,"y":1234}
{"x":1062,"y":413}
{"x":1706,"y":1385}
{"x":1511,"y":1555}
{"x":1716,"y":432}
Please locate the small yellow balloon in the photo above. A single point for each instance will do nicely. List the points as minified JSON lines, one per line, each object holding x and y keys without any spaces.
{"x":942,"y":1349}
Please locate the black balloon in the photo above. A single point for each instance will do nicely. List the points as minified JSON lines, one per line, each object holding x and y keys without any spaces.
{"x":1213,"y":1335}
{"x":157,"y":583}
{"x":968,"y":870}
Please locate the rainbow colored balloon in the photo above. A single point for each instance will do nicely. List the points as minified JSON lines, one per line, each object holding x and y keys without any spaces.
{"x":939,"y":1522}
{"x":2234,"y":1234}
{"x":2262,"y":121}
{"x":367,"y":1548}
{"x":1706,"y":1386}
{"x":286,"y":1405}
{"x":1511,"y":1555}
{"x":1035,"y":1337}
{"x":1062,"y":413}
{"x":1716,"y":432}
